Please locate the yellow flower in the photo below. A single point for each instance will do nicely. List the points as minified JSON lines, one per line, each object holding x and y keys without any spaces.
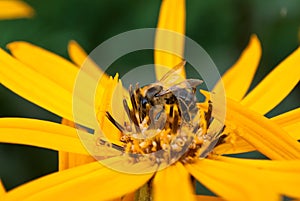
{"x":10,"y":9}
{"x":47,"y":80}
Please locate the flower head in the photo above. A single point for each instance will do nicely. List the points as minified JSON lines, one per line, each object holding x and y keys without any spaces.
{"x":246,"y":129}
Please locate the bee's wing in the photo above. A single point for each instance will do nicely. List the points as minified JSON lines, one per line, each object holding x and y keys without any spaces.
{"x":188,"y":84}
{"x":173,"y":76}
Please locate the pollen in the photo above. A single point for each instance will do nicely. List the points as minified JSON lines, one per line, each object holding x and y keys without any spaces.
{"x":165,"y":122}
{"x":178,"y":139}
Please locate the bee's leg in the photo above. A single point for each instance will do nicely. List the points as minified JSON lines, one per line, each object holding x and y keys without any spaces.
{"x":171,"y":111}
{"x":125,"y":105}
{"x":117,"y":147}
{"x":175,"y":122}
{"x":194,"y":90}
{"x":132,"y":99}
{"x":136,"y":117}
{"x":131,"y":116}
{"x":114,"y":122}
{"x":139,"y":103}
{"x":196,"y":128}
{"x":184,"y":110}
{"x":208,"y":113}
{"x":127,"y":110}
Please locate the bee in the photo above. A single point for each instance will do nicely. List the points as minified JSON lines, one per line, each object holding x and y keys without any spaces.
{"x":166,"y":104}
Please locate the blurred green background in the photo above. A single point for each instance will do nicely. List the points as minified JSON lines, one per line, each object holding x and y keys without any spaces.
{"x":222,"y":28}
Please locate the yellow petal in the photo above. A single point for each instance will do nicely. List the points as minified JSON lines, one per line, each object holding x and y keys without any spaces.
{"x":88,"y":182}
{"x":238,"y":182}
{"x":105,"y":103}
{"x":276,"y":86}
{"x":293,"y":130}
{"x":208,"y":198}
{"x":290,"y":122}
{"x":76,"y":53}
{"x":238,"y":78}
{"x":52,"y":66}
{"x":14,"y":9}
{"x":41,"y":134}
{"x":173,"y":183}
{"x":283,"y":175}
{"x":2,"y":189}
{"x":229,"y":182}
{"x":68,"y":160}
{"x":40,"y":89}
{"x":233,"y":145}
{"x":274,"y":165}
{"x":262,"y":133}
{"x":110,"y":92}
{"x":172,"y":18}
{"x":81,"y":59}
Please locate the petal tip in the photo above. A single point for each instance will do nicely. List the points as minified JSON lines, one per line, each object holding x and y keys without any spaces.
{"x":254,"y":41}
{"x":72,"y":43}
{"x":15,"y":45}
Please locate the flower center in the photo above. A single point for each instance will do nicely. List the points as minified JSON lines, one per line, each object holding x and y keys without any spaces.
{"x":165,"y":121}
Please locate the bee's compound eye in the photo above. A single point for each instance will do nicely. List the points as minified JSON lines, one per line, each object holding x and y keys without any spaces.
{"x":144,"y":102}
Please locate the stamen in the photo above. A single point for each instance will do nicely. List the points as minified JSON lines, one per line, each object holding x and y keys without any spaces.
{"x":164,"y":122}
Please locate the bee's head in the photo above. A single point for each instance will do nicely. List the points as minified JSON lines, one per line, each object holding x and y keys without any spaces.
{"x":152,"y":91}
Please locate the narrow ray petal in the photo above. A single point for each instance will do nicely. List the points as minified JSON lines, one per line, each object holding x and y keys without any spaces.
{"x":39,"y":89}
{"x":262,"y":133}
{"x":171,"y":17}
{"x":274,"y":165}
{"x":238,"y":78}
{"x":173,"y":183}
{"x":92,"y":182}
{"x":52,"y":66}
{"x":228,"y":181}
{"x":2,"y":189}
{"x":63,"y":157}
{"x":81,"y":58}
{"x":233,"y":145}
{"x":76,"y":53}
{"x":275,"y":172}
{"x":293,"y":130}
{"x":275,"y":86}
{"x":68,"y":160}
{"x":105,"y":101}
{"x":41,"y":134}
{"x":290,"y":122}
{"x":15,"y":9}
{"x":110,"y":92}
